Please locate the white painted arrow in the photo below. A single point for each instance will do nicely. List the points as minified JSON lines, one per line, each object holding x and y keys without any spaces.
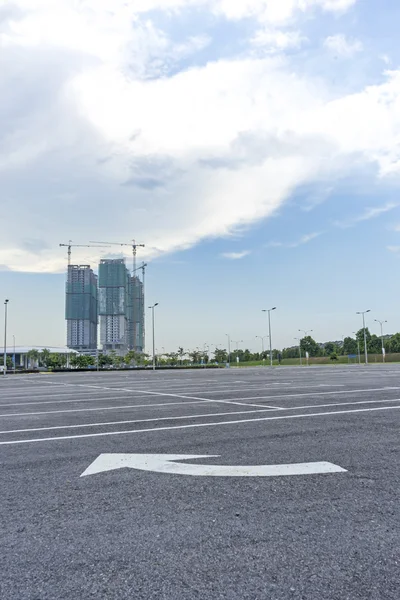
{"x":164,"y":463}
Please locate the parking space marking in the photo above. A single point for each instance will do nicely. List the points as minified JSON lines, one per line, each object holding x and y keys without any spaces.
{"x":73,"y":410}
{"x":200,"y":416}
{"x":196,"y":425}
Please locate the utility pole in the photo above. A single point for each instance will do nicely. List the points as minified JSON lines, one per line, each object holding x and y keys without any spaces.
{"x":5,"y":336}
{"x":363,"y":313}
{"x":383,"y":346}
{"x":269,"y":310}
{"x":154,"y":338}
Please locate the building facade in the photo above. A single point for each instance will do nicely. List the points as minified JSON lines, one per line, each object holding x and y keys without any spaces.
{"x":137,"y":329}
{"x":115,"y":306}
{"x":81,"y":308}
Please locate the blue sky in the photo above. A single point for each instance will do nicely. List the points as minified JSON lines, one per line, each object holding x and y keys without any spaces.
{"x":252,"y":145}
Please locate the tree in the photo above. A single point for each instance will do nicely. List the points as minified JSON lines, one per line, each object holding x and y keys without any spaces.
{"x":181,"y":353}
{"x":33,"y":357}
{"x":220,"y":356}
{"x":360,"y":337}
{"x":247,"y":356}
{"x":395,"y":343}
{"x":195,"y":356}
{"x":349,"y":346}
{"x":44,"y":356}
{"x":330,"y":347}
{"x":333,"y":357}
{"x":132,"y":357}
{"x":375,"y":344}
{"x":292,"y":352}
{"x":173,"y":358}
{"x":308,"y":344}
{"x":56,"y":360}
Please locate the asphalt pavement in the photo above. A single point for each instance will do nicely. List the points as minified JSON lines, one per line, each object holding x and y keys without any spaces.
{"x":295,"y":496}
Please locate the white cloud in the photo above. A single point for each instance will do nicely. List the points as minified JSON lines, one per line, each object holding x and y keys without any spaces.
{"x":394,"y":249}
{"x":369,"y":213}
{"x":305,"y":239}
{"x":100,"y":141}
{"x":342,"y":46}
{"x":276,"y":40}
{"x":235,"y":255}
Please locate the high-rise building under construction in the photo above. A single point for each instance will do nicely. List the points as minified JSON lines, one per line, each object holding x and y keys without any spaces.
{"x":81,"y":310}
{"x":136,"y":340}
{"x":121,"y":308}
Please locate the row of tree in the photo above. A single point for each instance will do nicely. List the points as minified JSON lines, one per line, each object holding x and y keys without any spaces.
{"x":349,"y":346}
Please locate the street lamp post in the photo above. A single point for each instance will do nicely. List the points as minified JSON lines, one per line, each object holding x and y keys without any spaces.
{"x":14,"y":353}
{"x":358,"y":348}
{"x":306,"y":332}
{"x":383,"y":347}
{"x":5,"y":336}
{"x":299,"y":340}
{"x":237,"y":348}
{"x":262,"y":338}
{"x":229,"y":348}
{"x":154,"y":337}
{"x":363,"y":313}
{"x":269,"y":310}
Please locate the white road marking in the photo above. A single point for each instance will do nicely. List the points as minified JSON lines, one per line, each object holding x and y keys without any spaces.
{"x":189,"y":417}
{"x":196,"y":425}
{"x":99,"y":409}
{"x":348,"y":392}
{"x":165,"y":463}
{"x":91,"y":399}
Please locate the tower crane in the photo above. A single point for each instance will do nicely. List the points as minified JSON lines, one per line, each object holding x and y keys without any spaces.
{"x":132,"y":244}
{"x":71,"y":245}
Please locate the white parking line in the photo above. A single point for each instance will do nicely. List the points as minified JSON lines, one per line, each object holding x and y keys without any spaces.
{"x":99,"y":409}
{"x":91,"y":399}
{"x":188,"y":417}
{"x":196,"y":425}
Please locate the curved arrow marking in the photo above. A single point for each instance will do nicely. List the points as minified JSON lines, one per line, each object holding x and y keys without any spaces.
{"x":165,"y":463}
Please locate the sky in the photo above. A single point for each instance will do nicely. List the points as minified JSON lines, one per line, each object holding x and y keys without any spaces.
{"x":253,"y":146}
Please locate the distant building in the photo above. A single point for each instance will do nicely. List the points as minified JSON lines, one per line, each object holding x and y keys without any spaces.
{"x":115,"y":306}
{"x":81,"y":311}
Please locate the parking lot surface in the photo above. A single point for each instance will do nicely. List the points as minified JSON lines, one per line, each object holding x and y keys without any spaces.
{"x":258,"y":483}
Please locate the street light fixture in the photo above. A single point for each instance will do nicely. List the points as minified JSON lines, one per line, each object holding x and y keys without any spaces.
{"x":363,"y":313}
{"x":383,"y":347}
{"x":154,"y":338}
{"x":269,"y":310}
{"x":262,"y":338}
{"x":5,"y":336}
{"x":306,"y":331}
